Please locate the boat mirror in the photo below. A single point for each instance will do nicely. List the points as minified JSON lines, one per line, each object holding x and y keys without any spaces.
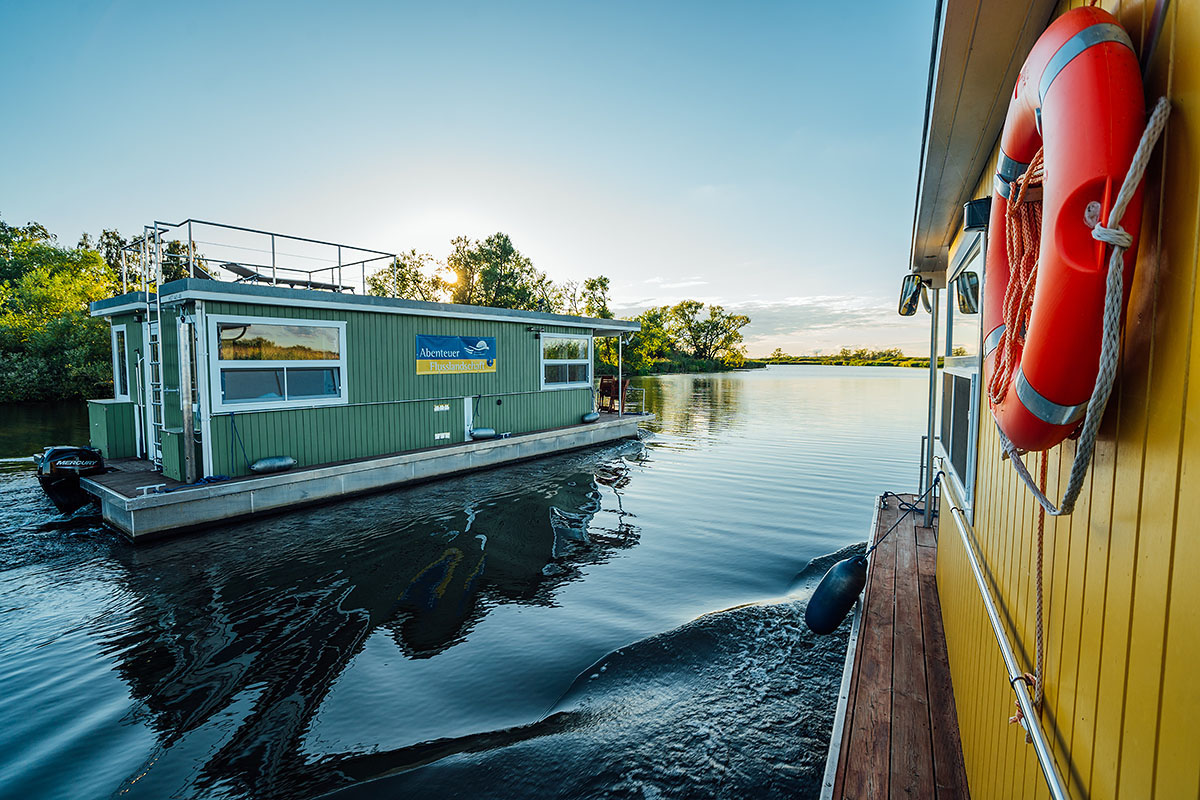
{"x":910,"y":290}
{"x":967,"y":289}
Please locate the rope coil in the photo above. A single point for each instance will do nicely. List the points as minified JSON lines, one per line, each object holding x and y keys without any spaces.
{"x":1023,"y":229}
{"x":1110,"y":342}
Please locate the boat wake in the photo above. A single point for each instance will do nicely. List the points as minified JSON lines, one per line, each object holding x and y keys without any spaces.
{"x":736,"y":703}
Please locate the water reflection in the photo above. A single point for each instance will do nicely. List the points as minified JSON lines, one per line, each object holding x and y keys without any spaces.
{"x":28,"y":427}
{"x":305,"y":652}
{"x":281,"y":607}
{"x":702,"y":407}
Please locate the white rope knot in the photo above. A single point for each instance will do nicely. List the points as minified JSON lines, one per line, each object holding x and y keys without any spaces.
{"x":1117,"y":236}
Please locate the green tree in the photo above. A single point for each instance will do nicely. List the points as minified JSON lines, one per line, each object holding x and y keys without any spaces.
{"x":410,"y":276}
{"x":652,"y":344}
{"x":595,"y":298}
{"x":715,"y":336}
{"x":20,"y":247}
{"x":570,"y":298}
{"x":493,"y":273}
{"x":110,"y":246}
{"x":175,"y":262}
{"x":777,"y":354}
{"x":50,"y":347}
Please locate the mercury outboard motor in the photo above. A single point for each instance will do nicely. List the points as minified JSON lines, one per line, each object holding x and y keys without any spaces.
{"x":59,"y":470}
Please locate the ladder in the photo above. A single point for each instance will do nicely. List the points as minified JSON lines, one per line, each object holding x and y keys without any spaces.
{"x":152,"y":264}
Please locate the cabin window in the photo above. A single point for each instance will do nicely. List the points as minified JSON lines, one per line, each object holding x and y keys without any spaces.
{"x":264,"y":363}
{"x":566,"y":361}
{"x":120,"y":363}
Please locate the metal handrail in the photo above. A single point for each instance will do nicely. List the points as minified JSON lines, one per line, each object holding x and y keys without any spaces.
{"x":1016,"y":676}
{"x":335,"y":267}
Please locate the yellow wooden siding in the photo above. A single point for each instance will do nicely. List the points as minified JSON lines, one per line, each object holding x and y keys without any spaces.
{"x":1122,"y":597}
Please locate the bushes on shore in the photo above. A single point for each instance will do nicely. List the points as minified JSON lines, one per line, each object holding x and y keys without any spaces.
{"x":50,"y":348}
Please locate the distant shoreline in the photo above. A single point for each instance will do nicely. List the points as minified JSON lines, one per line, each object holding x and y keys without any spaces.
{"x":838,"y":361}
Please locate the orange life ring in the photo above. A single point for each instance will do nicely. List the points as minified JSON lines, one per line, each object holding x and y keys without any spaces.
{"x":1079,"y":98}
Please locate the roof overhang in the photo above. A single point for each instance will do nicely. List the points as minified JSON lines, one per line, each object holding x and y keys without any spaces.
{"x":121,"y":304}
{"x":259,"y":294}
{"x":979,"y":49}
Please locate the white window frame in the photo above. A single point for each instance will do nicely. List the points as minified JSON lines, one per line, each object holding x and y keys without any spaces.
{"x":215,"y":364}
{"x":116,"y":358}
{"x":543,"y":361}
{"x":971,"y":256}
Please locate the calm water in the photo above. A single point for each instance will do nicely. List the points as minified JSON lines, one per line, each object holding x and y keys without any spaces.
{"x":620,"y":622}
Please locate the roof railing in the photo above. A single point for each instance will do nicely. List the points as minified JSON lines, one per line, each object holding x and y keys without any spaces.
{"x":347,"y":267}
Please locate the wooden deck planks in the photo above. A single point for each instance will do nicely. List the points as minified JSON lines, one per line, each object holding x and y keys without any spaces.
{"x":127,"y":475}
{"x":900,"y":733}
{"x":869,"y":730}
{"x":950,"y":774}
{"x":912,"y":747}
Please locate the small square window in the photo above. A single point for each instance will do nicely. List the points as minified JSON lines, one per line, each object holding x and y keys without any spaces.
{"x":250,"y":385}
{"x":312,"y":382}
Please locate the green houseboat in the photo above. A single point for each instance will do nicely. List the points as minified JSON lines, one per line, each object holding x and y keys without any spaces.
{"x":280,"y":386}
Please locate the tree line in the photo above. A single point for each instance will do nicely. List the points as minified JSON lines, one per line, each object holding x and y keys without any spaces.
{"x":858,"y":357}
{"x":687,"y":337}
{"x":51,"y":348}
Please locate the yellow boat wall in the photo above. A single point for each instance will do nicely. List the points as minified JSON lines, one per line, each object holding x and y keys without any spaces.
{"x":1121,"y":574}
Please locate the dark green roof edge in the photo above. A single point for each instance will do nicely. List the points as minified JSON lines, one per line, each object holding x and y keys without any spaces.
{"x":99,"y":306}
{"x":247,"y":292}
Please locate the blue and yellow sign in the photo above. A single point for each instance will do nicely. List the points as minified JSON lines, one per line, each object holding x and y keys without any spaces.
{"x":448,"y":355}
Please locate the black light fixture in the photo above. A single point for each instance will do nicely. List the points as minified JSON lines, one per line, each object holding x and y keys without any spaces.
{"x":976,"y":214}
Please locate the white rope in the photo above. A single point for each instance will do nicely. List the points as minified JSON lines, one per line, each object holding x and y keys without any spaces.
{"x":1110,"y":341}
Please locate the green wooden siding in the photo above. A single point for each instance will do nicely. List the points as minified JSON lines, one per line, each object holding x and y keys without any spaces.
{"x":381,"y":370}
{"x":531,"y":412}
{"x":111,"y":428}
{"x":331,"y":433}
{"x":168,"y":336}
{"x":172,"y":454}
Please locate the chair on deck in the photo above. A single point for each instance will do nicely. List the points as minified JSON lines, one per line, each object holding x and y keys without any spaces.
{"x":247,"y":275}
{"x":609,"y":399}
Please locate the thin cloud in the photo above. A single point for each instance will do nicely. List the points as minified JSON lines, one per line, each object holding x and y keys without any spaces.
{"x":819,"y":323}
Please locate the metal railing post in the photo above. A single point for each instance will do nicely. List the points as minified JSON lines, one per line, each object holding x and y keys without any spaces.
{"x":274,"y":280}
{"x":933,"y":334}
{"x":921,"y":467}
{"x":949,"y":319}
{"x":620,"y":369}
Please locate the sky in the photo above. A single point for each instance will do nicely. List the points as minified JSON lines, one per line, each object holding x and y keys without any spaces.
{"x":762,"y":156}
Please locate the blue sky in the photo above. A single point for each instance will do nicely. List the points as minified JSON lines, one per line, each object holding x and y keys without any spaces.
{"x":759,"y":155}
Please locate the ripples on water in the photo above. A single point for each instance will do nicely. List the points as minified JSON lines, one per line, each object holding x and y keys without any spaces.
{"x":547,"y":629}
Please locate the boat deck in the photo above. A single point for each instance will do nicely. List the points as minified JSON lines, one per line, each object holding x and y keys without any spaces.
{"x":899,"y":727}
{"x":129,"y":476}
{"x":142,"y":502}
{"x":135,"y":477}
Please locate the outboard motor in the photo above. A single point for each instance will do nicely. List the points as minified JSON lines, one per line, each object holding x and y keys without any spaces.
{"x":59,"y":470}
